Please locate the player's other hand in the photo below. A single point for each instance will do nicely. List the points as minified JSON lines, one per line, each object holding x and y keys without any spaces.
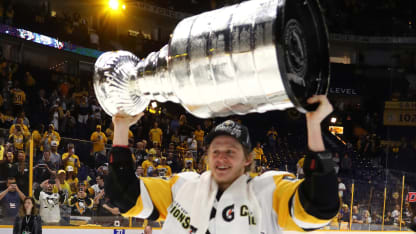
{"x":324,"y":109}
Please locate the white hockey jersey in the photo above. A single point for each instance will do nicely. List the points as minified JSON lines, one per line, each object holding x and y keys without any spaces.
{"x":266,"y":204}
{"x":49,"y":207}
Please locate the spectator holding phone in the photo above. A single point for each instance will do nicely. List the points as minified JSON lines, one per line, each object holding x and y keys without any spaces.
{"x":10,"y":200}
{"x":45,"y":168}
{"x":81,"y":203}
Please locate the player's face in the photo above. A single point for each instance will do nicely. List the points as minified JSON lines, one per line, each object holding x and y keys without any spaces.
{"x":226,"y":160}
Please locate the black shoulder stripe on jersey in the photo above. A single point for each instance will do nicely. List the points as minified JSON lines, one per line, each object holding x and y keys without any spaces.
{"x":318,"y":195}
{"x":155,"y":215}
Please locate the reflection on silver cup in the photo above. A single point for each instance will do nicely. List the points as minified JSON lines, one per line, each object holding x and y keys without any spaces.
{"x":256,"y":56}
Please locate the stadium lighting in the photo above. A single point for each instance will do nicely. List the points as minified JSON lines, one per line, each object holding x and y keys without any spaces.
{"x":113,"y":4}
{"x":333,"y":119}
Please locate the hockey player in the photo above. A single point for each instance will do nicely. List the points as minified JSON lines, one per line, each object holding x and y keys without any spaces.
{"x":224,"y":199}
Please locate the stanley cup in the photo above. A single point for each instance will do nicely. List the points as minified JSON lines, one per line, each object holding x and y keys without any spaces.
{"x":255,"y":56}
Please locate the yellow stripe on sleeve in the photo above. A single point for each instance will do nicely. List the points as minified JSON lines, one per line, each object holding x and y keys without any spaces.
{"x":160,"y":192}
{"x":281,"y":197}
{"x":136,"y":208}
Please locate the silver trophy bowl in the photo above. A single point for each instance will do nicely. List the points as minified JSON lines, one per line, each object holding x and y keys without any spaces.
{"x":257,"y":56}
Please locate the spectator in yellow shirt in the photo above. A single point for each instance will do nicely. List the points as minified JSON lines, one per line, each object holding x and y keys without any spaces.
{"x":98,"y":139}
{"x":71,"y":180}
{"x":71,"y":159}
{"x":17,"y":138}
{"x":258,"y":154}
{"x":19,"y":122}
{"x":156,"y":134}
{"x":50,"y":135}
{"x":188,"y":158}
{"x":199,"y":136}
{"x":149,"y":161}
{"x":163,"y":169}
{"x":18,"y":99}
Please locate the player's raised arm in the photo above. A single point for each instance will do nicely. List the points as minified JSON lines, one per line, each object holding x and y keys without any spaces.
{"x":317,"y":195}
{"x":122,"y":185}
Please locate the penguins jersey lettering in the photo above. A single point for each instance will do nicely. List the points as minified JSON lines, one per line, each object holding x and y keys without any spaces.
{"x":189,"y":203}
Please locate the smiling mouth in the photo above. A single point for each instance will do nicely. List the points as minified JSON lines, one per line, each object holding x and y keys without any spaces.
{"x":222,"y":168}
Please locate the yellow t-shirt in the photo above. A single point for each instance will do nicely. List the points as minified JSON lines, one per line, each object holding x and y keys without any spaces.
{"x":145,"y":165}
{"x":155,"y":135}
{"x":18,"y":141}
{"x":73,"y":184}
{"x":199,"y":135}
{"x":258,"y":153}
{"x":166,"y":168}
{"x":53,"y":136}
{"x":19,"y":97}
{"x":99,"y":139}
{"x":72,"y":161}
{"x":25,"y":129}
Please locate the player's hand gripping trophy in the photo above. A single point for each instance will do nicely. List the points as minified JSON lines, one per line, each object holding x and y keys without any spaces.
{"x":256,"y":56}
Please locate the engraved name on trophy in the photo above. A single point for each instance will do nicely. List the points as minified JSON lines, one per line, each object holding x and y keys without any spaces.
{"x":256,"y":56}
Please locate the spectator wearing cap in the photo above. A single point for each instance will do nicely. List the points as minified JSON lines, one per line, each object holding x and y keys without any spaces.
{"x":50,"y":200}
{"x":55,"y":156}
{"x":49,"y":136}
{"x":71,"y":180}
{"x":61,"y":176}
{"x":188,"y":166}
{"x":98,"y":139}
{"x":188,"y":158}
{"x":71,"y":159}
{"x":45,"y":168}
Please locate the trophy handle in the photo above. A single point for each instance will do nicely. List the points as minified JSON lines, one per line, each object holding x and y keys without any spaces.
{"x":113,"y":77}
